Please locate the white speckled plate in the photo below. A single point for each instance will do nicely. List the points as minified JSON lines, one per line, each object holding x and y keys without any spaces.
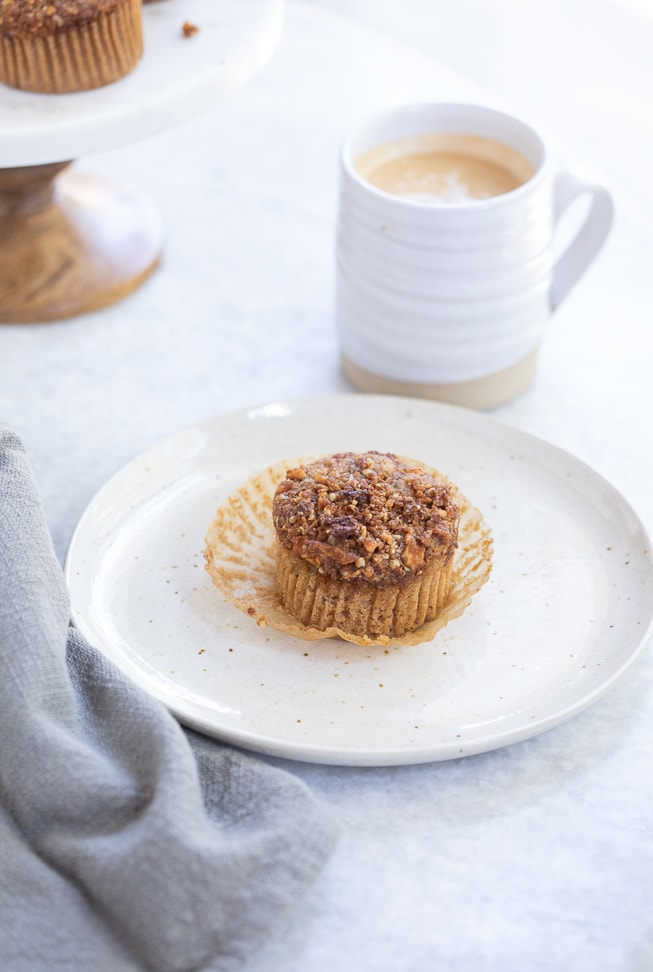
{"x":565,"y":613}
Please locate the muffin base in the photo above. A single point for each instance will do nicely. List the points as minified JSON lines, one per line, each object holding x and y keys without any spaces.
{"x":75,"y":60}
{"x":359,"y":609}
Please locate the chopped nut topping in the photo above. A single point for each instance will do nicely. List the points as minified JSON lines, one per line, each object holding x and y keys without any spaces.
{"x":50,"y":16}
{"x":368,"y":517}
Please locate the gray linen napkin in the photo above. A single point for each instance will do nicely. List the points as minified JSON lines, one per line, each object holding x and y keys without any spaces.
{"x":125,"y":843}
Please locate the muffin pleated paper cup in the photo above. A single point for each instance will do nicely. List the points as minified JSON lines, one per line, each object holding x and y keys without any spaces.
{"x":240,"y":557}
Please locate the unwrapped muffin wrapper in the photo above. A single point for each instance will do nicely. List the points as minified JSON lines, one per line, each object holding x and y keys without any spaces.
{"x":240,"y":559}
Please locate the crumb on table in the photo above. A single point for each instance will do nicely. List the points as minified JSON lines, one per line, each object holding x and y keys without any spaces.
{"x":188,"y":29}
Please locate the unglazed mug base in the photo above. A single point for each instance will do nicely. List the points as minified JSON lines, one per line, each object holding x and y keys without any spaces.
{"x":479,"y":393}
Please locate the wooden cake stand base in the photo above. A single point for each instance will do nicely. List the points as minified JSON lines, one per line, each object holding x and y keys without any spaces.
{"x":70,"y":243}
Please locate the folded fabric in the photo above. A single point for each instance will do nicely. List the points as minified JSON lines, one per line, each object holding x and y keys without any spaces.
{"x":126,"y":843}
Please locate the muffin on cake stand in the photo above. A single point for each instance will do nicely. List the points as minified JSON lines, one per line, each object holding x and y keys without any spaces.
{"x":71,"y":243}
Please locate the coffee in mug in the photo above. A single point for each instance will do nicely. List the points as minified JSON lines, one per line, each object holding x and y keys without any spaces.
{"x":444,"y":168}
{"x":445,"y":276}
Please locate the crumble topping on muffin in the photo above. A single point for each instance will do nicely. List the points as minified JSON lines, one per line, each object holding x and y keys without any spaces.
{"x":366,"y":517}
{"x":51,"y":16}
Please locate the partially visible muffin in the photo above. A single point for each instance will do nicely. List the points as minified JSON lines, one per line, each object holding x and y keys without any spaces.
{"x":62,"y":46}
{"x":364,"y":543}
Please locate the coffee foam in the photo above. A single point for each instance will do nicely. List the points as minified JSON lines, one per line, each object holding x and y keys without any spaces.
{"x":444,"y":168}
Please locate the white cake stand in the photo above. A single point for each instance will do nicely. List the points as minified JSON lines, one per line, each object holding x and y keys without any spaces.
{"x":70,"y":243}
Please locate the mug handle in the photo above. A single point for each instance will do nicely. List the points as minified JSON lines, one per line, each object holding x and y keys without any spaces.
{"x":590,"y":237}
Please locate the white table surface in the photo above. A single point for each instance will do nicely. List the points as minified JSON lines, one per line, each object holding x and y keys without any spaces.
{"x":534,"y":857}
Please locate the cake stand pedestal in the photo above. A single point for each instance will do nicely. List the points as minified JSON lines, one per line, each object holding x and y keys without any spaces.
{"x":71,"y":243}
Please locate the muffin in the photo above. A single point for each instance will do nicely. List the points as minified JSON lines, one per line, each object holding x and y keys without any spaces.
{"x":61,"y":46}
{"x":364,"y":543}
{"x":240,"y":557}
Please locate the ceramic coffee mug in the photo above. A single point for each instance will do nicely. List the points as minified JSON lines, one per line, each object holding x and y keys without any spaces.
{"x":447,"y":296}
